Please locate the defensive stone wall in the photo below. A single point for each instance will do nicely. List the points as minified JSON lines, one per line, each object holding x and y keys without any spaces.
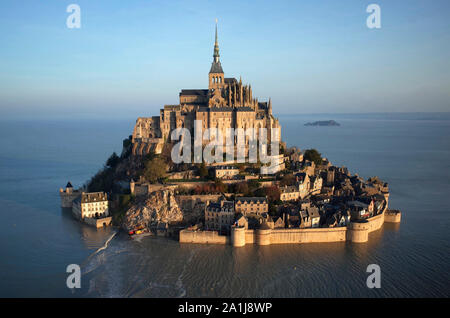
{"x":98,"y":222}
{"x":199,"y":197}
{"x":375,"y":223}
{"x":356,"y":232}
{"x":147,"y":188}
{"x":309,"y":235}
{"x":203,"y":237}
{"x":67,"y":198}
{"x":393,"y":216}
{"x":92,"y":221}
{"x":249,"y":236}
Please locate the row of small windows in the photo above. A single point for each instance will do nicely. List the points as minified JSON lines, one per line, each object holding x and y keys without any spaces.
{"x":217,"y":79}
{"x":251,"y":203}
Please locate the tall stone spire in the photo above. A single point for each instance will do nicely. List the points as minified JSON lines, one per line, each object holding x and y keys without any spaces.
{"x":216,"y":67}
{"x":216,"y":48}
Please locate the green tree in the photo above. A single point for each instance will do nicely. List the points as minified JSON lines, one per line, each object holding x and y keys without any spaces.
{"x":102,"y":181}
{"x":272,"y":193}
{"x":242,"y":187}
{"x":273,"y":209}
{"x":313,"y":155}
{"x":220,"y":186}
{"x":155,"y":170}
{"x":253,"y":184}
{"x":287,"y":180}
{"x":149,"y":157}
{"x":127,"y":147}
{"x":113,"y":160}
{"x":261,"y":192}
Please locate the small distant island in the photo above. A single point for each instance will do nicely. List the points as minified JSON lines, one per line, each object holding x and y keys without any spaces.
{"x":323,"y":123}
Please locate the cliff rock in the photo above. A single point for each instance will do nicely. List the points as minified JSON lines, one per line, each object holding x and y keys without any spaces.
{"x":158,"y":206}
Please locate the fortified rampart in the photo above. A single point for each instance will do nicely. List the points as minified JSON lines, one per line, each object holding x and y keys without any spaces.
{"x":356,"y":232}
{"x":67,"y":197}
{"x":393,"y":216}
{"x":203,"y":237}
{"x":98,"y":223}
{"x":103,"y":222}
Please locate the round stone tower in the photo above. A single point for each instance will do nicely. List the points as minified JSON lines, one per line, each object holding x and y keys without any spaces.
{"x":263,"y":235}
{"x":358,"y":232}
{"x":238,"y":236}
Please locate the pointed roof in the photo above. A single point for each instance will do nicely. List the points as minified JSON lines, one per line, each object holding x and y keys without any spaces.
{"x":69,"y":185}
{"x":216,"y":67}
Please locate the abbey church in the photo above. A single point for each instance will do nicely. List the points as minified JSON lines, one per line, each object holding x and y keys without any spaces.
{"x":227,"y":103}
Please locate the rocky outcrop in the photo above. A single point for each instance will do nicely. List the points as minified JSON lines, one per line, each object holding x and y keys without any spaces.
{"x":158,"y":207}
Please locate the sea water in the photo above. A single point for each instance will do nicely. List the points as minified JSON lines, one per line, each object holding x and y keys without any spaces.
{"x":38,"y":239}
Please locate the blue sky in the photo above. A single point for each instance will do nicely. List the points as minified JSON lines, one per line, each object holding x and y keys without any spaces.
{"x":131,"y":57}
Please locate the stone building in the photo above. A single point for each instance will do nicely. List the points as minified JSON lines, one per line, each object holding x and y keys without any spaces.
{"x":316,"y":185}
{"x":303,"y":183}
{"x":91,"y":205}
{"x":295,"y":155}
{"x":241,"y":221}
{"x":309,"y":167}
{"x":251,"y":205}
{"x":279,"y":223}
{"x":219,"y":216}
{"x":226,"y":103}
{"x":305,"y":220}
{"x":225,"y":172}
{"x":289,"y":193}
{"x":330,"y":175}
{"x":360,"y":210}
{"x":314,"y":216}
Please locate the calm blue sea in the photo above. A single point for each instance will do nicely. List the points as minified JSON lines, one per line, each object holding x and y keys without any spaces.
{"x":411,"y":151}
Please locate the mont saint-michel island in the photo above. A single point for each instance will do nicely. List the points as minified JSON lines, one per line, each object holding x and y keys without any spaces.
{"x":214,"y":170}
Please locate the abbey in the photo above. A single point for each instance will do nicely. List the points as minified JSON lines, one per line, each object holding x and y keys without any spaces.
{"x":227,"y":103}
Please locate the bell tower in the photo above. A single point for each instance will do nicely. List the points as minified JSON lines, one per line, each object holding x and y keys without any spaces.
{"x":216,"y":76}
